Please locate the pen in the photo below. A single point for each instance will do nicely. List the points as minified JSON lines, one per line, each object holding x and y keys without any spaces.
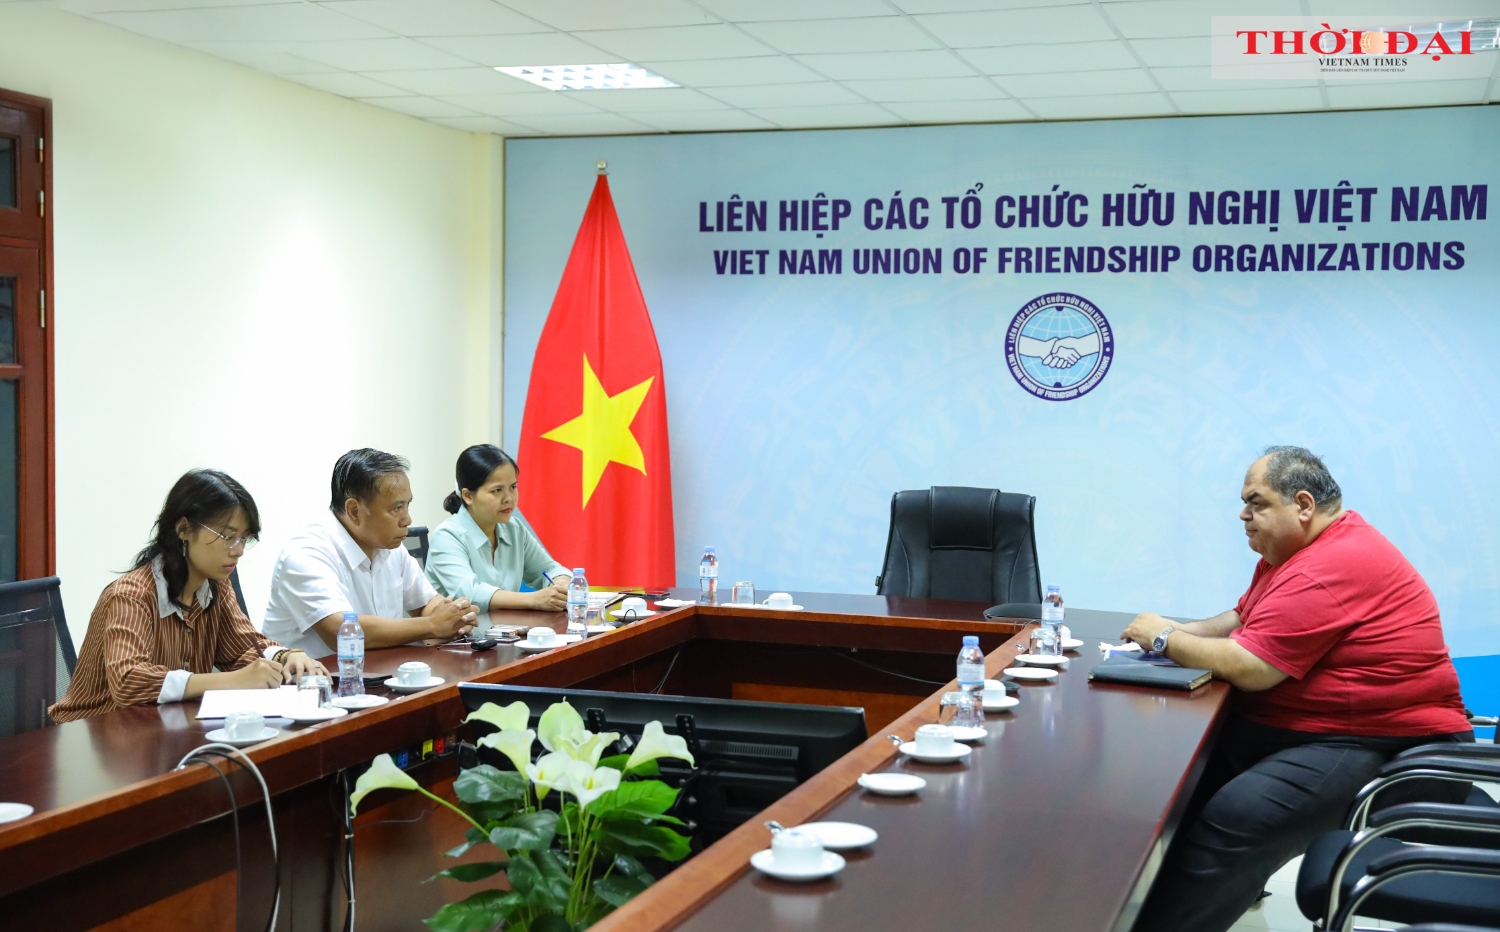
{"x":546,"y":577}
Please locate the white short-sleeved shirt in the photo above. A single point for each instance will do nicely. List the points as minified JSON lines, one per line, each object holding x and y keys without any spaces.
{"x":322,"y":571}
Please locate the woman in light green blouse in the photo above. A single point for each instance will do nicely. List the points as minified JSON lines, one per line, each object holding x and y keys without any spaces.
{"x":487,"y":550}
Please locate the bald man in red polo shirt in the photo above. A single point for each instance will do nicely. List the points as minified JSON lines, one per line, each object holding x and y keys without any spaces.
{"x":1337,"y":659}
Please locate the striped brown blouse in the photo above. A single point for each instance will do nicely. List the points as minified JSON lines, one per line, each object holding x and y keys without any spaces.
{"x":130,"y":647}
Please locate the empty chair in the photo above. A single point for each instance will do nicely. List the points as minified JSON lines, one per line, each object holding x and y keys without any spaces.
{"x":36,"y":653}
{"x":416,"y":542}
{"x":954,"y":542}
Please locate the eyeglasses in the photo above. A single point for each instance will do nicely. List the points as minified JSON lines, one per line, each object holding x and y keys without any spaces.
{"x":244,"y":543}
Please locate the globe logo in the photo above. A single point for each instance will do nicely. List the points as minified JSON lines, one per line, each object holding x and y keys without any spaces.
{"x":1059,"y":347}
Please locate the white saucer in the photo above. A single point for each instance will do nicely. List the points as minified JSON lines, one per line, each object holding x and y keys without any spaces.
{"x":316,"y":715}
{"x":959,"y":752}
{"x":362,"y":701}
{"x":1001,"y":704}
{"x":841,"y":836}
{"x":562,"y":640}
{"x":765,"y":862}
{"x":399,"y":687}
{"x":674,"y":603}
{"x":11,"y":812}
{"x":891,"y":784}
{"x":601,"y":629}
{"x":1071,"y":643}
{"x":266,"y":734}
{"x":784,"y":608}
{"x":965,"y":734}
{"x":1030,"y":673}
{"x":1043,"y":660}
{"x":625,"y":615}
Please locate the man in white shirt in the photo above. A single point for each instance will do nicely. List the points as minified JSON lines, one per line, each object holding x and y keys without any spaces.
{"x":354,"y":559}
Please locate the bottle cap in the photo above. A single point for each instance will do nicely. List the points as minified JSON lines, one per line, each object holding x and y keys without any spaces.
{"x":971,"y":640}
{"x":708,"y":550}
{"x":1054,"y":588}
{"x":577,"y":571}
{"x":352,"y":616}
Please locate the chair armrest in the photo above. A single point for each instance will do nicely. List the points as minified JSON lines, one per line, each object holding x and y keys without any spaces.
{"x":1472,"y":766}
{"x":1446,"y":927}
{"x":1415,"y":859}
{"x":1452,"y":749}
{"x":1451,"y":769}
{"x":1444,"y":813}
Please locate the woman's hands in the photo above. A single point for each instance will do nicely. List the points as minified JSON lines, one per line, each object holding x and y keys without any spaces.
{"x":553,"y":598}
{"x":298,"y":665}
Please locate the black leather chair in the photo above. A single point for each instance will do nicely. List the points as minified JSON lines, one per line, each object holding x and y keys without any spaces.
{"x":239,"y":593}
{"x":416,"y":542}
{"x":36,"y":653}
{"x":954,"y":542}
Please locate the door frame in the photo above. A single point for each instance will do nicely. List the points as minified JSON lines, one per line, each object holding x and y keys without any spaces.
{"x":30,"y":565}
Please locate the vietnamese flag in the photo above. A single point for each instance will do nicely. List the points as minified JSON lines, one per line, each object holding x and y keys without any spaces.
{"x":597,"y":466}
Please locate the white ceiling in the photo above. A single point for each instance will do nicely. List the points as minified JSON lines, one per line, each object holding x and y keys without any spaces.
{"x":765,"y":64}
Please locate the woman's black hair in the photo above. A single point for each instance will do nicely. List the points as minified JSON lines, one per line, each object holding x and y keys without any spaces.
{"x":474,"y":466}
{"x":203,"y":497}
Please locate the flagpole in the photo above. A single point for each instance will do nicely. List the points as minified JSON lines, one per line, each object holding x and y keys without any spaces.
{"x":603,"y":167}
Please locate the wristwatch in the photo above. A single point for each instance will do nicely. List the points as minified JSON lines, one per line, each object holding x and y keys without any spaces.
{"x":1159,"y":645}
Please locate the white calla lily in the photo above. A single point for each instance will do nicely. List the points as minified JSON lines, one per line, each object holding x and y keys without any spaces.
{"x":550,"y":772}
{"x":382,"y":775}
{"x":515,"y":745}
{"x":586,"y":746}
{"x":657,"y":743}
{"x":559,"y":721}
{"x":510,"y":718}
{"x":588,"y":783}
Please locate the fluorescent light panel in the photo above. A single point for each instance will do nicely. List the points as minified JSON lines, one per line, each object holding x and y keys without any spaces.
{"x":609,"y":77}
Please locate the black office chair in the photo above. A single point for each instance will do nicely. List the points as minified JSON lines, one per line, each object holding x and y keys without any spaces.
{"x":239,"y":593}
{"x":36,"y":653}
{"x":416,"y":542}
{"x":953,"y":542}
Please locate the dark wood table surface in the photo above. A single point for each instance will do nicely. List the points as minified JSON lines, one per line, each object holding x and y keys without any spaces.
{"x":1076,"y":788}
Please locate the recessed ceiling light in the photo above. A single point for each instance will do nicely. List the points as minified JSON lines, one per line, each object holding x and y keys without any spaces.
{"x":618,"y":76}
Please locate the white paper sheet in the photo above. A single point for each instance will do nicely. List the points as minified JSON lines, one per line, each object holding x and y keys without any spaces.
{"x":272,"y":703}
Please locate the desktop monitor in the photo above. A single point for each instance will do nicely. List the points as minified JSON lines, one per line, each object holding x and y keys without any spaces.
{"x":748,"y":754}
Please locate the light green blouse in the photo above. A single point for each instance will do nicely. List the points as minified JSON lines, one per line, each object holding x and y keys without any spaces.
{"x":461,"y":564}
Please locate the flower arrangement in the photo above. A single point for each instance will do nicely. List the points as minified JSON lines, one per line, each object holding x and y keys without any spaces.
{"x":572,"y":860}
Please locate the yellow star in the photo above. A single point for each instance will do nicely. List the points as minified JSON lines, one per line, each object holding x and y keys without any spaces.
{"x":602,"y":431}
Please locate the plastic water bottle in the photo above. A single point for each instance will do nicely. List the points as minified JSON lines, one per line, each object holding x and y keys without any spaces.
{"x":351,"y":643}
{"x":1052,"y":614}
{"x":578,"y":602}
{"x":708,"y":578}
{"x":971,"y":666}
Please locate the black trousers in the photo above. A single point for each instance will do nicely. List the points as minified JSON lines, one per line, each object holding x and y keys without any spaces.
{"x":1266,"y":794}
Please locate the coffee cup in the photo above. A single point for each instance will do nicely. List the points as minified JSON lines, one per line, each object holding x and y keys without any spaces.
{"x":994,"y":691}
{"x":795,"y":849}
{"x":541,"y":637}
{"x":935,"y":740}
{"x":633,"y":605}
{"x":244,"y":726}
{"x":414,"y":673}
{"x":781,"y":600}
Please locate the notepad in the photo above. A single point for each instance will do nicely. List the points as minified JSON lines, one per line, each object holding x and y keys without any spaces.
{"x":1133,"y":671}
{"x":272,"y":703}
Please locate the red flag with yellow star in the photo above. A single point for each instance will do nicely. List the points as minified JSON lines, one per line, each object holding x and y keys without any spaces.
{"x":596,"y":469}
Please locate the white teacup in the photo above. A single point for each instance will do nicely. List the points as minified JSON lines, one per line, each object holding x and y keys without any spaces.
{"x":781,"y":600}
{"x":935,"y":740}
{"x":633,"y":604}
{"x":244,"y":726}
{"x":541,"y":637}
{"x":994,"y":691}
{"x":414,"y":673}
{"x":795,"y":849}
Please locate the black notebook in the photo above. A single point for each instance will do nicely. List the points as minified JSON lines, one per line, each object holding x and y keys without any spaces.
{"x":1136,"y":672}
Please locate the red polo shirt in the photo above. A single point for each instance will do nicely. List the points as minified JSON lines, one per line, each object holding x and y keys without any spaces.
{"x":1356,"y":630}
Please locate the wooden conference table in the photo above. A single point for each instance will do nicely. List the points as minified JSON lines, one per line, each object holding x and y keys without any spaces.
{"x":1058,"y":820}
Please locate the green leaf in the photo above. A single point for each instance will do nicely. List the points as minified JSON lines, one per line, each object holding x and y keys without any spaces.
{"x":617,"y":890}
{"x":527,"y":831}
{"x":486,"y":784}
{"x":472,"y":837}
{"x":617,"y":761}
{"x":635,"y":838}
{"x":641,"y":799}
{"x":541,"y":880}
{"x":648,"y":769}
{"x":482,"y":911}
{"x":630,"y":867}
{"x":469,"y":873}
{"x":550,"y":923}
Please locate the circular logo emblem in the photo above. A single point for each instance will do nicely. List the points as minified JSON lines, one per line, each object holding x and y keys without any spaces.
{"x":1059,"y":346}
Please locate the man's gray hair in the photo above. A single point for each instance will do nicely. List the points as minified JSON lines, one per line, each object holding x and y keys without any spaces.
{"x":1297,"y":469}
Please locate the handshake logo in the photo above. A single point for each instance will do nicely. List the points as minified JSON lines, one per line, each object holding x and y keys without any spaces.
{"x":1059,"y":347}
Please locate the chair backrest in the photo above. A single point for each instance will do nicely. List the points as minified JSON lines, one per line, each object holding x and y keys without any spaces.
{"x":953,"y":542}
{"x":239,"y":593}
{"x":416,"y":542}
{"x":36,"y":653}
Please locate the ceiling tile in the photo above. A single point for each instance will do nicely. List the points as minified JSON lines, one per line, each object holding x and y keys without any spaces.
{"x":1428,"y":10}
{"x":378,"y":55}
{"x":709,"y":121}
{"x":420,"y":106}
{"x":440,"y":82}
{"x":677,"y":42}
{"x":574,"y":15}
{"x":521,"y":106}
{"x":263,"y":56}
{"x":90,"y":7}
{"x":728,"y":72}
{"x":871,"y":65}
{"x":596,"y":124}
{"x":1123,"y":81}
{"x":1048,"y":59}
{"x":1100,"y":106}
{"x":1407,"y":94}
{"x":787,"y":95}
{"x":960,"y":111}
{"x":485,"y":124}
{"x":1267,"y":100}
{"x":1200,"y":78}
{"x":759,"y":11}
{"x":1019,"y":27}
{"x":279,"y":23}
{"x":552,"y":48}
{"x":812,"y":117}
{"x":448,"y":18}
{"x":910,"y":89}
{"x":1172,"y":52}
{"x":968,"y":6}
{"x":652,"y":100}
{"x":1166,"y":19}
{"x":869,"y":34}
{"x":345,"y":84}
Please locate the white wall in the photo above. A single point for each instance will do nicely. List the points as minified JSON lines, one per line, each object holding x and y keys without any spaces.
{"x":250,"y":275}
